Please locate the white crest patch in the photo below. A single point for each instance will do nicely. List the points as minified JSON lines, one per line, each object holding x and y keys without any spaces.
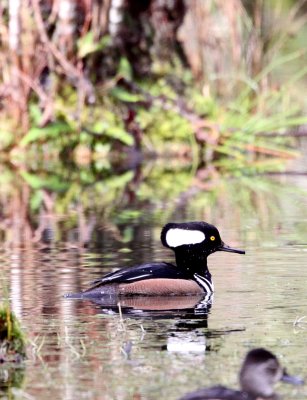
{"x":177,"y":237}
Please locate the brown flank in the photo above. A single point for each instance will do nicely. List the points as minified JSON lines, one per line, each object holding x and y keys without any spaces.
{"x":160,"y":287}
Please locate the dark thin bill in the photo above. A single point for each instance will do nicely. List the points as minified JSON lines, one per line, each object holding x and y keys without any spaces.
{"x":229,"y":249}
{"x":294,"y":380}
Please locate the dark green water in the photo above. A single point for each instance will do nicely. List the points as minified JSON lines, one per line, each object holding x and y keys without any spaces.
{"x":82,"y":350}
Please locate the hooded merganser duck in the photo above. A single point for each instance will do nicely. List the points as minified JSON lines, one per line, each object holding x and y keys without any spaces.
{"x":259,"y":373}
{"x":192,"y":243}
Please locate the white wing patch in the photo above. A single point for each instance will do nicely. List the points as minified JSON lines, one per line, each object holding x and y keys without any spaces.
{"x":113,"y":276}
{"x":120,"y":274}
{"x":137,"y":277}
{"x":177,"y":237}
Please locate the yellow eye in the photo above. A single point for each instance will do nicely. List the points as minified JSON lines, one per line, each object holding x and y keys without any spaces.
{"x":212,"y":238}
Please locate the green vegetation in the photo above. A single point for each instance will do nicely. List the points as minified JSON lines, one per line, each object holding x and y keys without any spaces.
{"x":12,"y":341}
{"x":232,"y":136}
{"x":95,"y":96}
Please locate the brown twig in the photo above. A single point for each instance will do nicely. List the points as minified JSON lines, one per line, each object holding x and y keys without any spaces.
{"x":268,"y":152}
{"x":67,"y":67}
{"x":30,"y":82}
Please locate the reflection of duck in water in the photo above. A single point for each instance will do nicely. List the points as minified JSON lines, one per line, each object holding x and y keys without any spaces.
{"x":259,"y":373}
{"x":192,"y":243}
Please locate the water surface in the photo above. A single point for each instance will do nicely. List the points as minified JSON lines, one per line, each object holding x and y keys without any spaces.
{"x":162,"y":349}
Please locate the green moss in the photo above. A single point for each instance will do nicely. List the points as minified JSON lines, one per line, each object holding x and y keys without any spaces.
{"x":12,"y":341}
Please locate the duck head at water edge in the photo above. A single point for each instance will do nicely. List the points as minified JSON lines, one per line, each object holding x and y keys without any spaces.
{"x":192,"y":243}
{"x":259,"y":373}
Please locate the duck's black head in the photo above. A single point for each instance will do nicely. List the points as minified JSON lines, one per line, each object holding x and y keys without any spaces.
{"x":199,"y":237}
{"x":260,"y":371}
